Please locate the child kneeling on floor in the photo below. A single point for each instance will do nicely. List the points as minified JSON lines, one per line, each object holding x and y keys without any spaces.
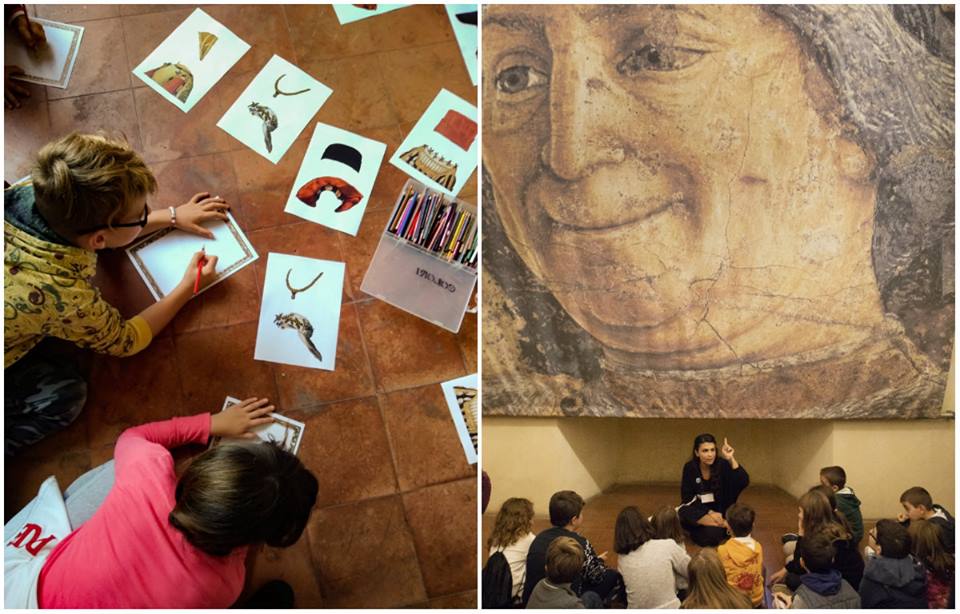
{"x":86,"y":193}
{"x":156,"y":541}
{"x":742,"y":556}
{"x":564,"y":560}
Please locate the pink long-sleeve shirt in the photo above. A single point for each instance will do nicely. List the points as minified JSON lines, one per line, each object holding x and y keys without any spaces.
{"x":128,"y":555}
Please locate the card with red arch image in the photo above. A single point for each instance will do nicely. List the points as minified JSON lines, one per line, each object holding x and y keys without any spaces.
{"x":336,"y":178}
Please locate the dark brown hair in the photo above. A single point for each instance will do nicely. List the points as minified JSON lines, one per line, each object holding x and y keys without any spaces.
{"x":666,"y":525}
{"x":514,"y":520}
{"x":817,"y":552}
{"x":564,"y":507}
{"x":564,"y":560}
{"x":819,"y":516}
{"x":238,"y":494}
{"x":838,"y":517}
{"x":893,"y":539}
{"x":631,"y":531}
{"x":86,"y":180}
{"x":740,"y":518}
{"x":916,"y":497}
{"x":835,"y":475}
{"x":926,"y":540}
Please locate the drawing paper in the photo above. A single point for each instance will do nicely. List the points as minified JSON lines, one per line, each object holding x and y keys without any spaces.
{"x":432,"y":158}
{"x":274,"y":109}
{"x":51,"y":64}
{"x":463,"y":401}
{"x":322,"y":165}
{"x":285,"y":431}
{"x":161,"y":258}
{"x":175,"y":69}
{"x":298,"y":291}
{"x":466,"y":33}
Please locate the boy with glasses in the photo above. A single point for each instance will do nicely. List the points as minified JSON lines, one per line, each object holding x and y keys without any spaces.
{"x":86,"y":193}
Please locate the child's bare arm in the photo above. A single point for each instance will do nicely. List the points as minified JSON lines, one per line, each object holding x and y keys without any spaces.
{"x":160,"y":313}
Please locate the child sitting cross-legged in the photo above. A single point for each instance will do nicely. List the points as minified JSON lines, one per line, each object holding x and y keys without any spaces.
{"x":742,"y":556}
{"x":86,"y":193}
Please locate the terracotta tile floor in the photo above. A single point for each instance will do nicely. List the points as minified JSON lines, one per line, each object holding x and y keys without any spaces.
{"x":395,"y":523}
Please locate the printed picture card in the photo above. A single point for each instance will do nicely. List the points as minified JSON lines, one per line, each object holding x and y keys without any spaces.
{"x":336,"y":178}
{"x":161,"y":258}
{"x":348,"y":13}
{"x":275,"y":108}
{"x":300,"y":312}
{"x":463,"y":18}
{"x":461,"y":396}
{"x":441,"y":150}
{"x":51,"y":64}
{"x":285,"y":431}
{"x":190,"y":61}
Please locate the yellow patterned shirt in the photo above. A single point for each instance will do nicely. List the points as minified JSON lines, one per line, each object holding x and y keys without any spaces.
{"x":47,"y":290}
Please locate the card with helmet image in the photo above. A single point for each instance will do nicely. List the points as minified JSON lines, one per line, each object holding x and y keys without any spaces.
{"x":274,"y":109}
{"x":189,"y":62}
{"x":335,"y":179}
{"x":441,"y":150}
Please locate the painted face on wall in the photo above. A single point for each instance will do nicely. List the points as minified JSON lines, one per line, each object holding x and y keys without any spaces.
{"x":676,"y":179}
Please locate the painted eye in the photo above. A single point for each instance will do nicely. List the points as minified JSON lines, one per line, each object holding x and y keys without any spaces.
{"x":516,"y":79}
{"x":658,"y":58}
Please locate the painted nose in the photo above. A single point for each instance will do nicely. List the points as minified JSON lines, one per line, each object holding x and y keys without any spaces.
{"x":582,"y":119}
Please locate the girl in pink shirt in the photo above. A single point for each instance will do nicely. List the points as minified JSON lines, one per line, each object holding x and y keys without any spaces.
{"x":157,"y":542}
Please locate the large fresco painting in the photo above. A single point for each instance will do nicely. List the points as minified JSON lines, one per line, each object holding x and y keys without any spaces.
{"x":718,"y":211}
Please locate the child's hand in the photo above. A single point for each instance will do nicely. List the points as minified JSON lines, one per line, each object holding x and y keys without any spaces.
{"x":781,"y":601}
{"x":238,"y":420}
{"x":30,"y":32}
{"x":13,"y":91}
{"x":901,"y":517}
{"x":777,"y":577}
{"x":208,"y":273}
{"x":199,"y":209}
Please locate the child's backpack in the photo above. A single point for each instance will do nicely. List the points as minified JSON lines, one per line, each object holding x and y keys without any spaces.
{"x":497,"y":583}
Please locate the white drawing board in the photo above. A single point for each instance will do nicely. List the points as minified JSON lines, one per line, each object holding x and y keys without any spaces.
{"x":463,"y":401}
{"x":300,"y":312}
{"x":175,"y":69}
{"x":348,"y":13}
{"x":463,"y":18}
{"x":274,"y":109}
{"x":161,"y":258}
{"x":51,"y":64}
{"x":285,"y":431}
{"x":441,"y":150}
{"x":335,"y":180}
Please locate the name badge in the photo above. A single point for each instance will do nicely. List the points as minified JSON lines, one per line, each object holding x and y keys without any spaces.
{"x":707,"y":497}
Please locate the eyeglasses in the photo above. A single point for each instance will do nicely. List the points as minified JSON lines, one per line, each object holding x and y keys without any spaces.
{"x":142,"y":222}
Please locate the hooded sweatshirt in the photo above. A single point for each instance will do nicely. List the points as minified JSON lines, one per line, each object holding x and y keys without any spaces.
{"x":849,"y":505}
{"x":742,"y":559}
{"x":893,"y":583}
{"x":827,"y":590}
{"x":47,"y":289}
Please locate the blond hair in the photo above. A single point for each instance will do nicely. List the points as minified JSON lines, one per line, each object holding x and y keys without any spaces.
{"x":564,"y":560}
{"x":85,"y":180}
{"x":708,"y":585}
{"x":514,"y":520}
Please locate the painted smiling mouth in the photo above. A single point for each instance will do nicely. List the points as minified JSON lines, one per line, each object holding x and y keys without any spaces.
{"x":348,"y":195}
{"x":641,"y":211}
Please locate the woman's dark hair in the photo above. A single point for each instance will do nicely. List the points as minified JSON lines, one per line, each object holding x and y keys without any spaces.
{"x":238,"y":494}
{"x":631,"y":531}
{"x":699,"y":440}
{"x":702,"y":438}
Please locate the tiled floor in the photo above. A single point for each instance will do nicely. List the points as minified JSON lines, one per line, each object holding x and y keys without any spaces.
{"x":395,"y":522}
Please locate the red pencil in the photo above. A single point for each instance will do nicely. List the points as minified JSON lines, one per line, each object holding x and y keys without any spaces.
{"x":200,"y":263}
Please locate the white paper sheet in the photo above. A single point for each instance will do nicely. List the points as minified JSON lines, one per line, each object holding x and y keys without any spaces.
{"x":432,"y":158}
{"x":466,"y":34}
{"x":464,"y":411}
{"x":161,"y":259}
{"x":285,"y":431}
{"x":184,"y":47}
{"x":278,"y":104}
{"x":53,"y":63}
{"x":300,"y":312}
{"x":326,"y":162}
{"x":348,"y":13}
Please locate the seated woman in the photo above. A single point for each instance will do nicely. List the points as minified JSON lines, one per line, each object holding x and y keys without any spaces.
{"x":816,"y":515}
{"x":650,"y":566}
{"x":709,"y":486}
{"x":708,"y":585}
{"x":512,"y":535}
{"x":160,"y":542}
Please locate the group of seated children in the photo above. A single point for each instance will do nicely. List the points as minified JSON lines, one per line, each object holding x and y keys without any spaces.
{"x":128,"y":534}
{"x":907,"y":562}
